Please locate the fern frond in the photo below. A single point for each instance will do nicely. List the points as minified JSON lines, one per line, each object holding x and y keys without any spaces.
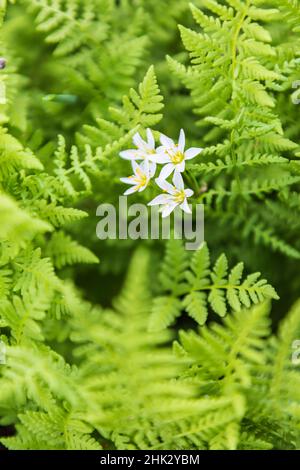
{"x":14,"y":157}
{"x":57,"y":215}
{"x":18,"y":225}
{"x":65,"y":251}
{"x":69,"y":25}
{"x":207,"y":286}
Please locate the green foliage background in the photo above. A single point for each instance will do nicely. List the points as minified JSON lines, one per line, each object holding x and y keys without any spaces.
{"x":112,"y":354}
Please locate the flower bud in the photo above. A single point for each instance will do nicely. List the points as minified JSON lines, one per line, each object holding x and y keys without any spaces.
{"x":2,"y":63}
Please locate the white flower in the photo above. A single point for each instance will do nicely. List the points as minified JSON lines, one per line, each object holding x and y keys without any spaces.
{"x":144,"y":150}
{"x":173,"y":155}
{"x":139,"y":181}
{"x":176,"y":195}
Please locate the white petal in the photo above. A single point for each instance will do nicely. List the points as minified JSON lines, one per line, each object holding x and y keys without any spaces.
{"x":145,"y":166}
{"x":180,"y":167}
{"x":131,"y":190}
{"x":138,"y":141}
{"x":161,"y":199}
{"x":163,"y":184}
{"x":159,"y":158}
{"x":192,"y":152}
{"x":181,"y":142}
{"x":185,"y":207}
{"x":188,"y":192}
{"x":166,"y":171}
{"x":168,"y":209}
{"x":141,"y":188}
{"x":166,"y":141}
{"x":127,"y":180}
{"x":150,"y":138}
{"x":135,"y":166}
{"x":129,"y":154}
{"x":178,"y":180}
{"x":152,"y":169}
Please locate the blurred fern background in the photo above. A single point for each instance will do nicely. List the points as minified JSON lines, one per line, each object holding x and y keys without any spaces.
{"x":140,"y":344}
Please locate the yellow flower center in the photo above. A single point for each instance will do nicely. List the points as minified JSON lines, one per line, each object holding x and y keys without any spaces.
{"x":141,"y":179}
{"x":179,"y":196}
{"x":177,"y":157}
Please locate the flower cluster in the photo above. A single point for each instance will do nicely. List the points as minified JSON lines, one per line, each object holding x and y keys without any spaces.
{"x":169,"y":154}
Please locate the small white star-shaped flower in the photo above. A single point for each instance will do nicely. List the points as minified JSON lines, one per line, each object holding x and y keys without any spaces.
{"x":144,"y":149}
{"x":173,"y":155}
{"x":175,"y":195}
{"x":140,"y":180}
